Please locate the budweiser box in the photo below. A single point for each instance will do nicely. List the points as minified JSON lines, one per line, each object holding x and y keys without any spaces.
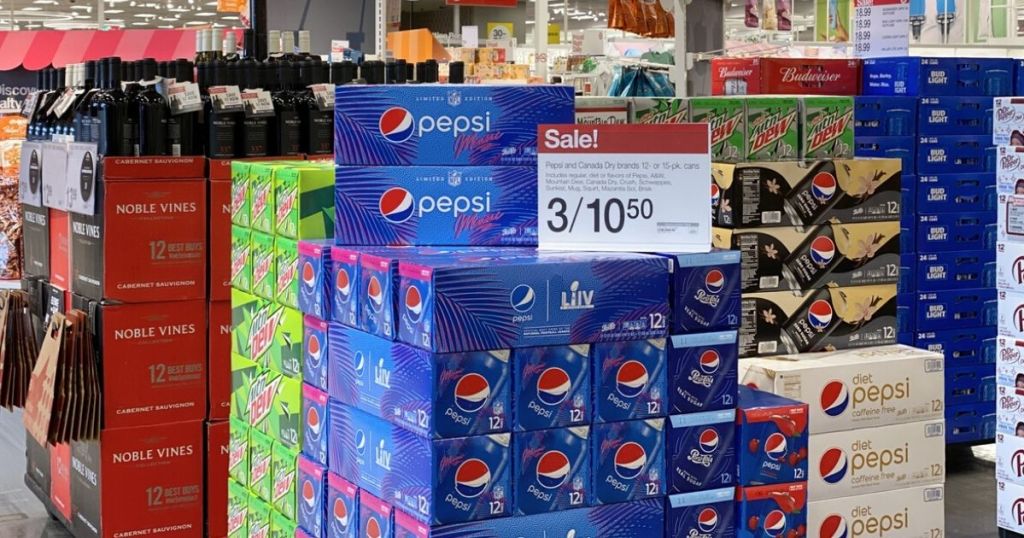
{"x":773,"y":132}
{"x":826,"y":127}
{"x":735,"y":76}
{"x":917,"y":512}
{"x":793,"y":76}
{"x":802,"y":194}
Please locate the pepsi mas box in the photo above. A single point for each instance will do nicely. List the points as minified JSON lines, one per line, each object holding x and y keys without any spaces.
{"x":702,"y":371}
{"x":342,"y":508}
{"x":630,"y":380}
{"x":704,"y":291}
{"x":316,"y":418}
{"x":343,"y":285}
{"x":315,"y":344}
{"x":477,"y":125}
{"x":701,"y":451}
{"x":772,"y":511}
{"x":312,"y":487}
{"x":709,"y":514}
{"x":771,"y":438}
{"x":628,"y":460}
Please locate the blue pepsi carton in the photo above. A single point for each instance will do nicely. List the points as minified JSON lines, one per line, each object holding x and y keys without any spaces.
{"x":884,"y":115}
{"x":553,"y":387}
{"x":954,"y":115}
{"x":991,"y":77}
{"x":312,"y":486}
{"x":702,"y":371}
{"x":955,"y":309}
{"x":705,"y":291}
{"x":376,"y":517}
{"x":630,"y":380}
{"x":539,"y":299}
{"x":771,"y":438}
{"x":413,"y":125}
{"x":772,"y":511}
{"x":438,"y":395}
{"x":628,"y":460}
{"x":378,"y":274}
{"x":553,"y":470}
{"x":342,"y":508}
{"x":344,"y":287}
{"x":945,"y":232}
{"x":623,"y":520}
{"x":437,"y":481}
{"x":892,"y":147}
{"x":909,"y":75}
{"x":960,"y":153}
{"x":701,"y":451}
{"x":701,"y":514}
{"x":961,"y":346}
{"x":314,"y":352}
{"x":316,"y":422}
{"x":314,"y":277}
{"x":948,"y":193}
{"x":436,"y":205}
{"x":954,"y":270}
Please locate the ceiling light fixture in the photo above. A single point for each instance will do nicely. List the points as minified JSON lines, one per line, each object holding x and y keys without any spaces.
{"x":31,"y":8}
{"x":206,"y":14}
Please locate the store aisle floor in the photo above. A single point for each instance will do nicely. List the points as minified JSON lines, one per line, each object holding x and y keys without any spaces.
{"x":970,"y":491}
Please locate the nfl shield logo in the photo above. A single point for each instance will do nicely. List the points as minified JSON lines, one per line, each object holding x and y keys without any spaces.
{"x":454,"y":98}
{"x":454,"y":178}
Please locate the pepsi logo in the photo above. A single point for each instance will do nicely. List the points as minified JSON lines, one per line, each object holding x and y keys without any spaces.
{"x":631,"y":379}
{"x":313,"y":421}
{"x":708,"y":440}
{"x":359,"y":363}
{"x":308,"y":493}
{"x":775,"y":523}
{"x":341,"y":514}
{"x":819,"y":315}
{"x":823,"y":249}
{"x":630,"y":459}
{"x":710,"y":361}
{"x":552,"y":469}
{"x":775,"y":446}
{"x":522,"y":298}
{"x":707,"y":520}
{"x":472,"y":392}
{"x":414,"y":302}
{"x":714,"y":281}
{"x":716,"y":195}
{"x":373,"y":528}
{"x":396,"y":205}
{"x":375,"y":292}
{"x":472,"y":478}
{"x":834,"y":398}
{"x":823,"y":186}
{"x":553,"y":386}
{"x":360,"y":441}
{"x":832,"y":465}
{"x":396,"y":125}
{"x":834,"y":526}
{"x":343,"y":283}
{"x":313,"y":348}
{"x":308,"y":274}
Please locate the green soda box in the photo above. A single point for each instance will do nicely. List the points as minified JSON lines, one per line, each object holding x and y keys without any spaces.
{"x":245,"y":308}
{"x":238,"y":510}
{"x":275,"y":407}
{"x":772,"y":130}
{"x":281,"y":526}
{"x":826,"y":127}
{"x":285,"y":353}
{"x":259,"y":517}
{"x":238,"y":451}
{"x":264,"y":278}
{"x":241,"y":258}
{"x":261,"y":195}
{"x":726,"y":119}
{"x":287,"y":260}
{"x":660,"y":110}
{"x":243,"y":372}
{"x":240,"y":193}
{"x":305,"y":202}
{"x":261,"y":453}
{"x":283,"y":466}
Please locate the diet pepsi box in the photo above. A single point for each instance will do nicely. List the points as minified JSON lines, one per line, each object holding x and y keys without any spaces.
{"x":436,"y":205}
{"x":771,"y":438}
{"x":701,"y":514}
{"x":342,"y":508}
{"x":884,"y":115}
{"x":439,"y":395}
{"x":952,"y":309}
{"x":344,"y":284}
{"x":954,"y":115}
{"x":909,"y":75}
{"x":946,"y":193}
{"x":553,"y":387}
{"x":314,"y":352}
{"x":538,"y":299}
{"x":376,"y":517}
{"x":705,"y":291}
{"x":314,"y":278}
{"x":957,"y":269}
{"x":944,"y":232}
{"x":961,"y":346}
{"x":701,"y":451}
{"x":476,"y":125}
{"x":378,"y":274}
{"x":553,"y":470}
{"x":312,"y":480}
{"x":702,"y":372}
{"x":629,"y":380}
{"x":315,"y":424}
{"x":628,"y":460}
{"x":890,"y":147}
{"x":772,"y":511}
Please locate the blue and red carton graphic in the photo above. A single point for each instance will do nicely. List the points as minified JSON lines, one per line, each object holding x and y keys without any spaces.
{"x":705,"y":291}
{"x":772,"y":511}
{"x":315,"y":348}
{"x":344,"y":289}
{"x":700,"y":451}
{"x":312,"y":490}
{"x":342,"y":508}
{"x":702,"y":371}
{"x":314,"y":277}
{"x":553,"y":387}
{"x":629,"y":380}
{"x":316,"y":422}
{"x":553,"y":470}
{"x":960,"y":153}
{"x":628,"y":460}
{"x":771,"y":438}
{"x":377,"y":277}
{"x":701,"y":514}
{"x":376,"y":517}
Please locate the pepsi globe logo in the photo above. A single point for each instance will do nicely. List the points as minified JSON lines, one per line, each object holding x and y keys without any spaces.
{"x":707,"y":520}
{"x":360,"y":442}
{"x":714,"y":281}
{"x":834,"y":398}
{"x":631,"y":379}
{"x":472,"y":392}
{"x":308,"y":274}
{"x":823,"y":186}
{"x":553,"y":386}
{"x":710,"y":361}
{"x":373,"y":528}
{"x":833,"y":465}
{"x":396,"y":205}
{"x":343,"y":283}
{"x":716,"y":195}
{"x":630,"y":459}
{"x":472,"y":478}
{"x":775,"y":446}
{"x":708,"y":440}
{"x":360,"y":363}
{"x":775,"y":523}
{"x":552,"y":469}
{"x":313,"y":349}
{"x":819,"y":315}
{"x":375,"y":292}
{"x":396,"y":125}
{"x":313,"y":421}
{"x":308,"y":493}
{"x":522,"y":298}
{"x":834,"y":526}
{"x":414,"y":303}
{"x":823,"y":249}
{"x":341,"y":515}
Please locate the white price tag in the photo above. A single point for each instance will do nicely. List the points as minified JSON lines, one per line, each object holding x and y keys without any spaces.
{"x":30,"y":103}
{"x":881,"y":28}
{"x":226,"y":98}
{"x":82,"y":173}
{"x":62,"y":102}
{"x":624,"y":187}
{"x":55,"y":185}
{"x":324,"y":94}
{"x":184,"y":97}
{"x":30,"y":180}
{"x":257,"y":103}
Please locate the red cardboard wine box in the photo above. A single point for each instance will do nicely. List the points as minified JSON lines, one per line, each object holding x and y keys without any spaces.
{"x":217,"y":440}
{"x":60,"y":248}
{"x":220,"y":240}
{"x":219,"y":361}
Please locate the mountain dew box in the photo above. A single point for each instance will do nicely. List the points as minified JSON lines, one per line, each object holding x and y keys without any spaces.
{"x":243,"y":371}
{"x":238,"y":510}
{"x":261,"y":448}
{"x":264,"y":281}
{"x":261,"y":194}
{"x":238,"y":451}
{"x":240,"y":193}
{"x":285,"y":352}
{"x":304,"y":197}
{"x":773,"y":133}
{"x":241,"y":262}
{"x":283,"y":469}
{"x":259,"y":517}
{"x":275,"y":407}
{"x":287,"y":271}
{"x":826,"y":127}
{"x":245,"y":307}
{"x":659,"y":110}
{"x":281,"y":526}
{"x":726,"y":118}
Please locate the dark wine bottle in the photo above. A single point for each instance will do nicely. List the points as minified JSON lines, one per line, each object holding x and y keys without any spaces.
{"x":287,"y":129}
{"x":317,"y":124}
{"x":221,"y":126}
{"x":181,"y":128}
{"x":253,"y":132}
{"x":109,"y":112}
{"x":152,"y":112}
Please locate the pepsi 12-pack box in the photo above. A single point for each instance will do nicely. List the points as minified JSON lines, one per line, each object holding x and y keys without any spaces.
{"x":553,"y":470}
{"x":709,"y":514}
{"x":772,"y":511}
{"x":628,"y":460}
{"x":629,"y":380}
{"x":552,"y":387}
{"x":701,"y":451}
{"x":705,"y":291}
{"x":702,"y":371}
{"x":771,"y":438}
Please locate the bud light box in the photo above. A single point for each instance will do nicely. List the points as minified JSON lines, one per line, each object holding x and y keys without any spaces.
{"x":476,"y":125}
{"x":957,"y":269}
{"x":553,"y":470}
{"x":342,"y":508}
{"x":903,"y":148}
{"x":629,"y":380}
{"x":628,"y":460}
{"x":911,"y":76}
{"x":771,"y":438}
{"x":884,"y":115}
{"x":700,"y":451}
{"x":316,"y":420}
{"x":436,"y":205}
{"x":456,"y":304}
{"x":343,"y":286}
{"x":436,"y":481}
{"x":952,"y":309}
{"x":963,"y":153}
{"x":705,"y":291}
{"x":1010,"y":266}
{"x":954,"y":116}
{"x":1010,"y":506}
{"x":985,"y":76}
{"x":376,"y":517}
{"x":701,"y":514}
{"x":315,"y":278}
{"x":909,"y":513}
{"x":312,"y":480}
{"x":314,"y":352}
{"x":970,"y":384}
{"x":944,"y":232}
{"x":772,"y":511}
{"x":702,"y":372}
{"x":947,"y":193}
{"x":431,"y":394}
{"x":553,"y":387}
{"x":960,"y":346}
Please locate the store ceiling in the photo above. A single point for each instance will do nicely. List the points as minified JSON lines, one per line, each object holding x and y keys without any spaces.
{"x":75,"y":14}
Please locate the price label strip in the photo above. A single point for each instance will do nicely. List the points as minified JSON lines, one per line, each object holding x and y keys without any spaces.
{"x":881,"y":28}
{"x":624,"y":187}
